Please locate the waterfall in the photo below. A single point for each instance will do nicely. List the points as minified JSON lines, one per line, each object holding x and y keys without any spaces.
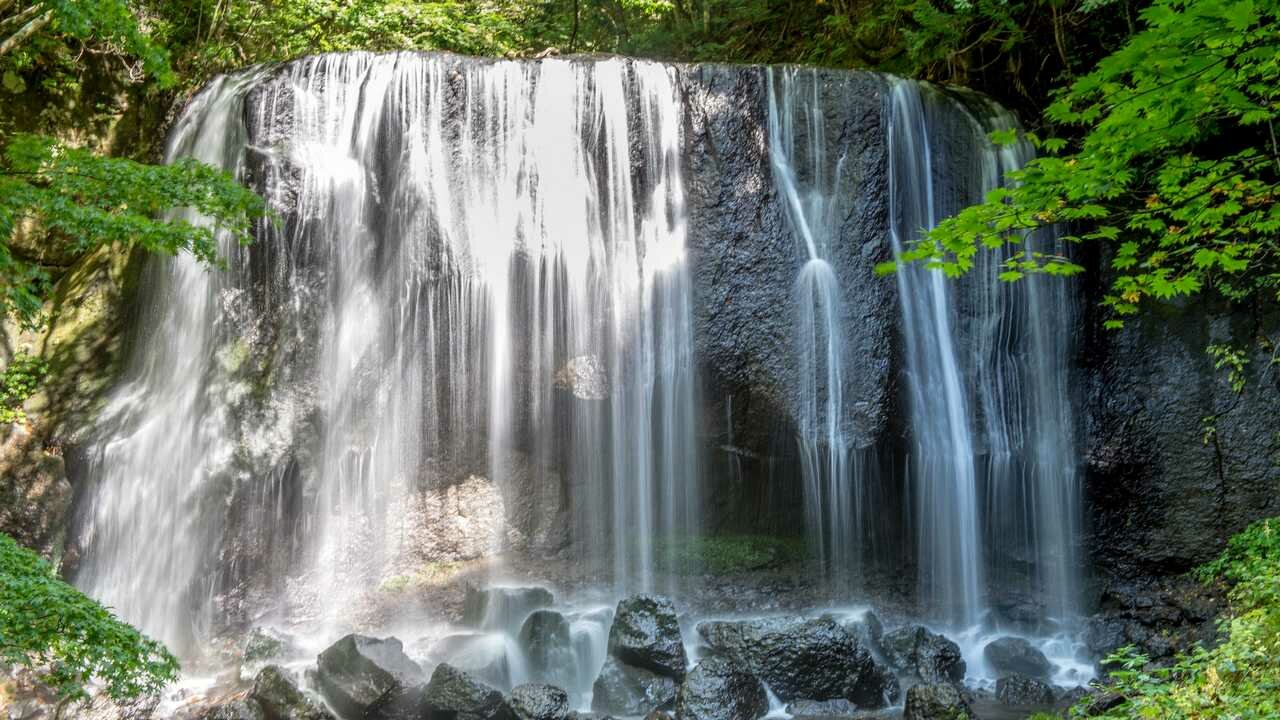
{"x":992,"y":455}
{"x":809,"y":185}
{"x":475,"y":288}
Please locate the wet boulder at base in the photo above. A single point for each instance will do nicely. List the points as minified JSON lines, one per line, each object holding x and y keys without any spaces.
{"x":502,"y":608}
{"x":281,"y":699}
{"x":721,"y":689}
{"x":926,"y":655}
{"x":1023,"y":690}
{"x":547,"y":642}
{"x":800,"y":658}
{"x":1014,"y":655}
{"x":623,"y":689}
{"x":264,"y":644}
{"x":453,"y":694}
{"x":355,"y":672}
{"x":536,"y":701}
{"x":938,"y":701}
{"x":646,"y":634}
{"x":237,"y":709}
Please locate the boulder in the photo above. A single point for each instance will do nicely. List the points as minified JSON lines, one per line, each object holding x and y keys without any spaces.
{"x":533,"y":701}
{"x":281,"y":699}
{"x":867,"y":629}
{"x":927,"y":656}
{"x":455,"y":695}
{"x":402,"y":702}
{"x":1023,"y":690}
{"x":484,"y":655}
{"x":623,"y":689}
{"x":547,"y":643}
{"x":502,"y":608}
{"x":815,"y":710}
{"x":720,"y":689}
{"x":265,"y":644}
{"x":353,"y":673}
{"x":800,"y":658}
{"x":877,"y":687}
{"x":938,"y":701}
{"x":238,"y":709}
{"x":646,"y":634}
{"x":1014,"y":655}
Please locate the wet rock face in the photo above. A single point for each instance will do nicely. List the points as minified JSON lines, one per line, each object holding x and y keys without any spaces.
{"x":35,"y":495}
{"x":744,"y":259}
{"x":928,"y":656}
{"x":1015,"y":655}
{"x":355,"y":672}
{"x":235,"y":710}
{"x":1023,"y":690}
{"x":280,"y":699}
{"x":646,"y":634}
{"x":539,"y":702}
{"x":1159,"y":498}
{"x":452,"y":693}
{"x":940,"y":701}
{"x":720,"y":689}
{"x":1161,"y":618}
{"x":623,"y":689}
{"x":800,"y":658}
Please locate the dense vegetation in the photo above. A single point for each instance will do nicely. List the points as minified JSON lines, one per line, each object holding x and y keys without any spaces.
{"x":1177,"y":167}
{"x":1238,"y":679}
{"x":46,"y":623}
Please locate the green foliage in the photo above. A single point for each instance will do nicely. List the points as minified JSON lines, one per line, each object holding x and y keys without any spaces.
{"x":44,"y":621}
{"x":86,"y":201}
{"x":1234,"y":360}
{"x":726,"y":554}
{"x":1240,"y":678}
{"x":32,"y":32}
{"x":1177,"y":169}
{"x":18,"y":382}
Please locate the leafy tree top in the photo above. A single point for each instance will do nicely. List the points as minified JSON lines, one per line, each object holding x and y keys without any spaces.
{"x":1177,"y":165}
{"x":86,"y":200}
{"x":45,"y":621}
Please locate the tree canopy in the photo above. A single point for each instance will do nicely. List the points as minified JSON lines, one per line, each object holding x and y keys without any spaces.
{"x":1176,"y":166}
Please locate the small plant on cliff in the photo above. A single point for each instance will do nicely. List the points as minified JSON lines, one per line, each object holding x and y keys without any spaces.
{"x":1238,"y":679}
{"x":44,"y":622}
{"x":17,"y":383}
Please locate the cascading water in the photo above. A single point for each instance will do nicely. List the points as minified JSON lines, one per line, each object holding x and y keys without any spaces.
{"x":476,"y":286}
{"x":992,"y":455}
{"x":942,"y":457}
{"x":809,"y":185}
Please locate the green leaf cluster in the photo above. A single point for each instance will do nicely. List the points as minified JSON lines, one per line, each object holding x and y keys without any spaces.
{"x":85,"y":200}
{"x":1176,"y":169}
{"x":20,"y":379}
{"x":46,"y":622}
{"x":1240,"y":678}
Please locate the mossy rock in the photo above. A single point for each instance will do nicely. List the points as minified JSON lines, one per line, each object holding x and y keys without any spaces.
{"x":727,"y":554}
